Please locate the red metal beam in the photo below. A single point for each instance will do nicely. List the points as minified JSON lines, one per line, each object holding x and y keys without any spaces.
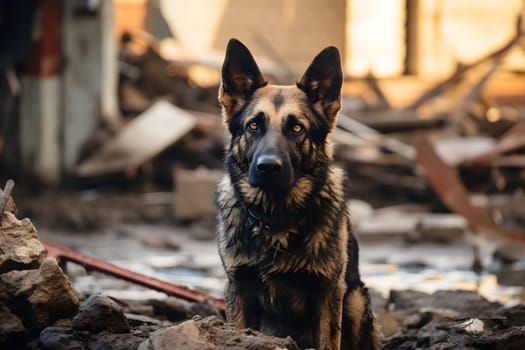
{"x":90,"y":263}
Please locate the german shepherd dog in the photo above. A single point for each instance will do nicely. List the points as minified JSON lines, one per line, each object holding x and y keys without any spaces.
{"x":284,"y":234}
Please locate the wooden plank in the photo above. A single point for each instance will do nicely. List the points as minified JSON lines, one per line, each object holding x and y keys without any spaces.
{"x":140,"y":140}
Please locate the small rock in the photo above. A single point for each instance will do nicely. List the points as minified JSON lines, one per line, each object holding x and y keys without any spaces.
{"x":20,"y":248}
{"x":60,"y":338}
{"x":104,"y":341}
{"x":460,"y":301}
{"x":11,"y":326}
{"x":508,"y":339}
{"x":417,"y":320}
{"x":512,"y":339}
{"x":100,"y":313}
{"x":514,"y":316}
{"x":211,"y":333}
{"x":44,"y":295}
{"x":184,"y":336}
{"x":174,"y":309}
{"x":204,"y":308}
{"x":473,"y":326}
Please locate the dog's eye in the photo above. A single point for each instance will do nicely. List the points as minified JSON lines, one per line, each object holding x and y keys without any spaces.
{"x":253,"y":126}
{"x":297,"y":128}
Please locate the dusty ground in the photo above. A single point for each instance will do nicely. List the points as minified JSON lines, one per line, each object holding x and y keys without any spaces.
{"x":138,"y":234}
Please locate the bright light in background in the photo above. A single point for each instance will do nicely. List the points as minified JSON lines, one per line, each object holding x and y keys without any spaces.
{"x":375,"y":33}
{"x":196,"y":21}
{"x":448,"y":31}
{"x":372,"y":32}
{"x":472,"y":28}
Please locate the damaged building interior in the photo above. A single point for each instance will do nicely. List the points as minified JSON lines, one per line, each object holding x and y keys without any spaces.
{"x":112,"y":144}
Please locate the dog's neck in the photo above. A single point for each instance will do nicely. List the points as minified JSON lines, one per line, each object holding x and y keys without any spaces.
{"x":257,"y":220}
{"x":269,"y":217}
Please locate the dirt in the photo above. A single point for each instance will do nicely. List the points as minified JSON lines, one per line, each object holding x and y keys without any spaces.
{"x":117,"y":315}
{"x":452,"y":320}
{"x":443,"y":320}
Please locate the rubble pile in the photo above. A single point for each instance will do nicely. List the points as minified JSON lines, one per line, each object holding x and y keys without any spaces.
{"x":40,"y":309}
{"x":450,"y":320}
{"x":448,"y":167}
{"x":34,"y":291}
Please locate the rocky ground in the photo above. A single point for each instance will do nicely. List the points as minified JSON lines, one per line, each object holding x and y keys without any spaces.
{"x":43,"y":308}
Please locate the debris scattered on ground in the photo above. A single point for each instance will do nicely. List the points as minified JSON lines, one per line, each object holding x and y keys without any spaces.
{"x":441,"y":170}
{"x":41,"y":311}
{"x":34,"y":292}
{"x":451,"y":320}
{"x":213,"y":333}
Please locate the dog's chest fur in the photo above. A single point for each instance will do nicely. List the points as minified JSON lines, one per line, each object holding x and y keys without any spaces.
{"x":299,"y":246}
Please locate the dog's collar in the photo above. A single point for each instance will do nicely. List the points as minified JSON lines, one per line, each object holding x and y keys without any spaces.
{"x":257,"y":220}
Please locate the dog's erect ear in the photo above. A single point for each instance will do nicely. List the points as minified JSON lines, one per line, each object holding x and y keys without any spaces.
{"x":240,"y":76}
{"x":322,"y":82}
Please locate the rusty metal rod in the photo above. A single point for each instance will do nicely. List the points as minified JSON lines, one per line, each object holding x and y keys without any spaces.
{"x":446,"y":183}
{"x":90,"y":263}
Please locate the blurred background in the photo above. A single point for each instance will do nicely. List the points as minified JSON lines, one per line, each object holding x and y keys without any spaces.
{"x":111,"y":129}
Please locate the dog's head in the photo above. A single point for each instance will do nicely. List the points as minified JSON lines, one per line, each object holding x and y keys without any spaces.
{"x":279,"y":133}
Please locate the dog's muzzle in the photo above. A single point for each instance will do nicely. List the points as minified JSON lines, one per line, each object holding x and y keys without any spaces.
{"x":268,"y":165}
{"x":270,"y":171}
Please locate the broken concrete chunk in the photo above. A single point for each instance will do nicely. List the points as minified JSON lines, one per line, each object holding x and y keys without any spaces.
{"x":99,"y":313}
{"x":46,"y":293}
{"x":53,"y":297}
{"x":184,"y":336}
{"x":20,"y":248}
{"x":212,"y":333}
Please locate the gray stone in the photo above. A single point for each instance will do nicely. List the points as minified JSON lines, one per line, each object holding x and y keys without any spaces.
{"x":122,"y":341}
{"x":100,"y":313}
{"x":60,"y":338}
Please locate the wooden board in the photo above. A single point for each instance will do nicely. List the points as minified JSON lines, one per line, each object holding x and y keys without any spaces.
{"x":141,"y":139}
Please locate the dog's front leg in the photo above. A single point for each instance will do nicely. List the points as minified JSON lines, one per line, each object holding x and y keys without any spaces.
{"x":239,"y":309}
{"x":331,"y":319}
{"x":235,"y":311}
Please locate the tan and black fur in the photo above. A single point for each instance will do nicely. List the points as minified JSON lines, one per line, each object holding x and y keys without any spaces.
{"x":284,"y":234}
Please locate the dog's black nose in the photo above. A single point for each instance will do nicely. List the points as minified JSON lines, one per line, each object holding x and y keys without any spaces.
{"x":269,"y":165}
